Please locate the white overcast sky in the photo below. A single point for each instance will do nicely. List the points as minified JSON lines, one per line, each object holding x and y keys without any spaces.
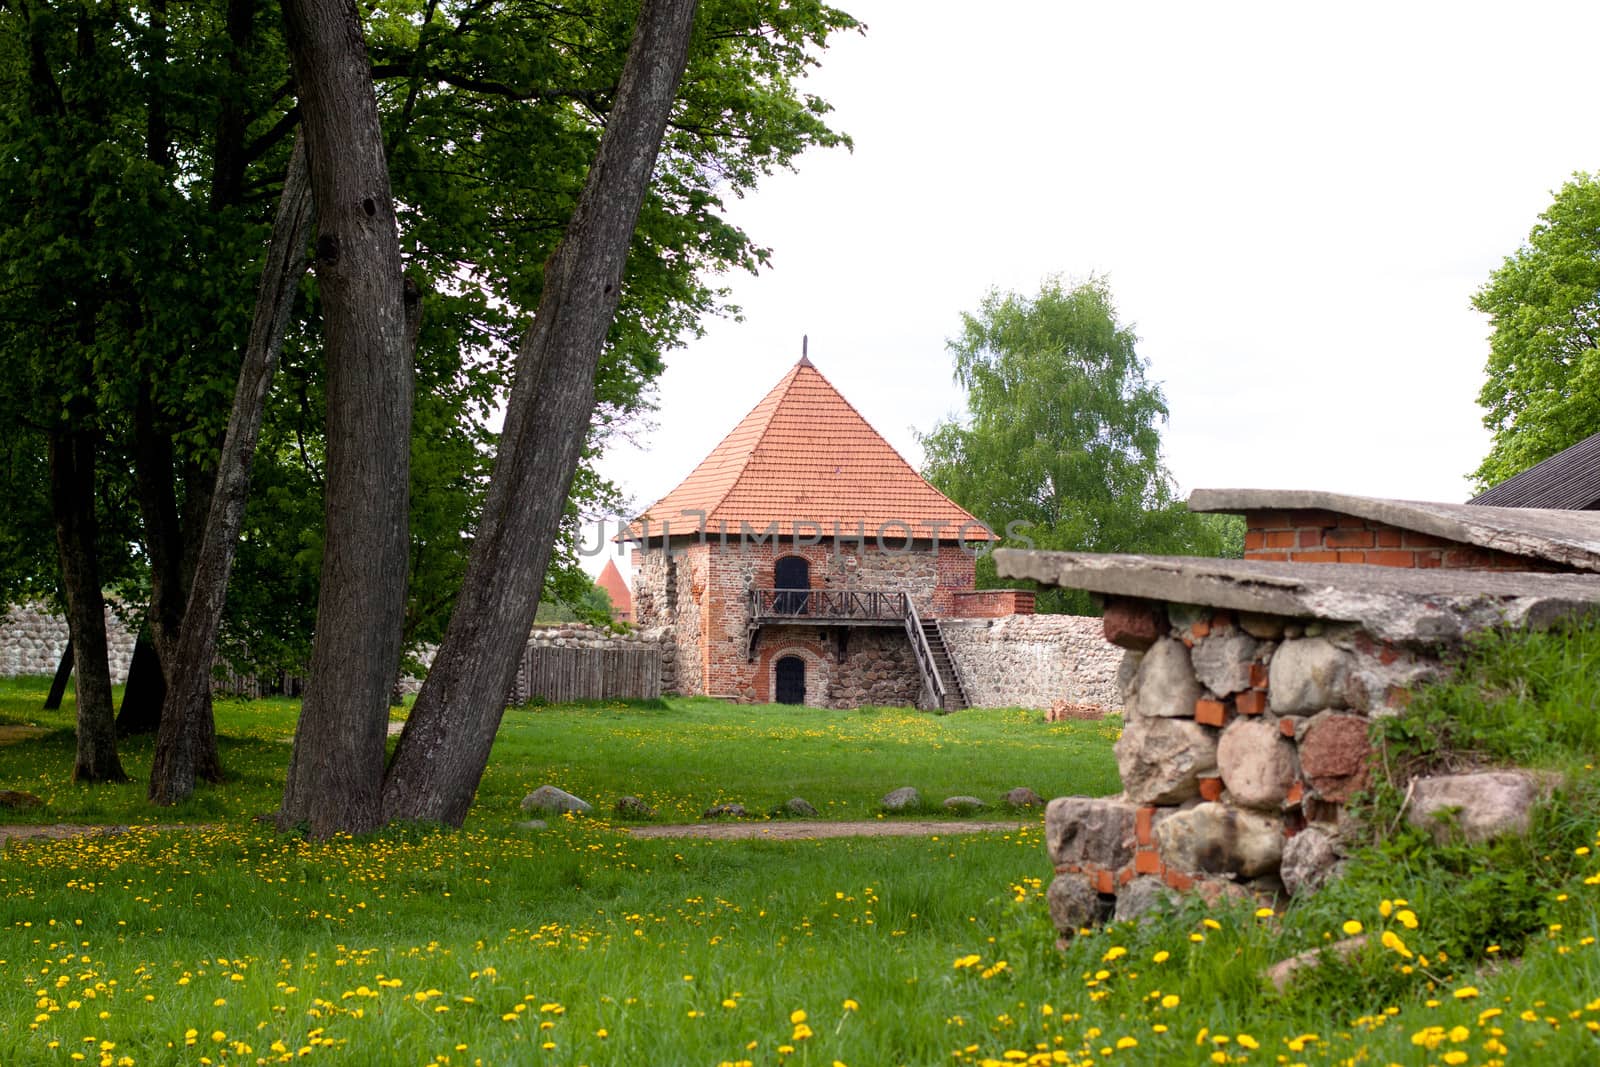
{"x":1293,"y":204}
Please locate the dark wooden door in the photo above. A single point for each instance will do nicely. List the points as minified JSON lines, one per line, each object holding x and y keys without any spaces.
{"x":791,"y":680}
{"x":791,"y":573}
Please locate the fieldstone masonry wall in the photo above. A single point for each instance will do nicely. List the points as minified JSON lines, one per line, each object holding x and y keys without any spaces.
{"x":32,"y":640}
{"x":1033,"y":661}
{"x":1245,"y":736}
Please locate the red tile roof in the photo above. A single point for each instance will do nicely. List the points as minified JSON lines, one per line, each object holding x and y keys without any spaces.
{"x":804,"y":455}
{"x":621,"y":600}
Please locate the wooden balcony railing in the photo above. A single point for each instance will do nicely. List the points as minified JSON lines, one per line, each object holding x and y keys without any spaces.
{"x":828,"y":605}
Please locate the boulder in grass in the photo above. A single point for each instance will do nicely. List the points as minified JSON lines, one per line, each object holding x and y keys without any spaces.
{"x":552,"y":801}
{"x":964,"y":805}
{"x":721,"y":811}
{"x":1141,"y":897}
{"x":1023,"y":797}
{"x":1074,"y":905}
{"x":906,"y":798}
{"x":1475,"y":807}
{"x":634,"y":808}
{"x":16,"y":800}
{"x":798,"y":807}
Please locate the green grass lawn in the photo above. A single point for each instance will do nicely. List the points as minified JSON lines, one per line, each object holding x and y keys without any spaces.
{"x":581,"y":944}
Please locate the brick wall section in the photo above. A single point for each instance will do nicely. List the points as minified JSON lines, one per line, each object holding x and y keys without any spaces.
{"x":697,"y":600}
{"x":991,"y":603}
{"x":930,"y":578}
{"x":877,"y":667}
{"x":1330,"y":537}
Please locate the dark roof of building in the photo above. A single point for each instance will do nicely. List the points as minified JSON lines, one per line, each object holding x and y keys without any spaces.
{"x":1570,"y":479}
{"x":800,"y":462}
{"x":1569,"y":538}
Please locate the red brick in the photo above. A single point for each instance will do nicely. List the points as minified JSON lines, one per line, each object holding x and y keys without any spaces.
{"x":1259,"y":673}
{"x":1177,"y":879}
{"x":1102,"y":881}
{"x":1252,"y":702}
{"x":1342,"y":538}
{"x":1211,"y":789}
{"x":1222,"y":620}
{"x":1266,"y":520}
{"x":1352,"y":521}
{"x":1310,"y":538}
{"x":1288,"y":727}
{"x":1316,"y":557}
{"x":1210,"y":712}
{"x":1143,"y":825}
{"x":1413,"y":539}
{"x":1270,"y":556}
{"x":1392,"y":557}
{"x":1312,"y":517}
{"x":1387,"y":537}
{"x":1352,"y":557}
{"x":1254,"y":539}
{"x":1133,"y":624}
{"x":1124,"y":876}
{"x":1296,"y":793}
{"x":1466,"y":558}
{"x":1145,"y":861}
{"x":1200,"y":629}
{"x":1429,"y":560}
{"x":1281,"y":539}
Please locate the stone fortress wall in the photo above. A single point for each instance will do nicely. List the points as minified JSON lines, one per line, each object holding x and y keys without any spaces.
{"x":32,"y":639}
{"x":1030,"y":661}
{"x":1034,"y":661}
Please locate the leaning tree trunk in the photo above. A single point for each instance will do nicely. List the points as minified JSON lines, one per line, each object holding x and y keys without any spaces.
{"x":335,"y":778}
{"x":58,"y":684}
{"x":72,"y":454}
{"x":144,"y":690}
{"x":445,"y":745}
{"x":186,"y":746}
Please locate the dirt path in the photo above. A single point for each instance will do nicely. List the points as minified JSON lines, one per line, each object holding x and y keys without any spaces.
{"x":10,"y":733}
{"x":801,"y":829}
{"x":796,"y":830}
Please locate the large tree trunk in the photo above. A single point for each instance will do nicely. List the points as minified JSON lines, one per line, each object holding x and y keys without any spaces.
{"x":445,"y":746}
{"x":335,"y":775}
{"x":144,"y":690}
{"x":58,"y":684}
{"x":186,"y":746}
{"x":72,"y":454}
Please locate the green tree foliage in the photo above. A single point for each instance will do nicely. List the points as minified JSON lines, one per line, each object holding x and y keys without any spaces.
{"x":132,"y":231}
{"x":1543,"y":389}
{"x":1061,"y":442}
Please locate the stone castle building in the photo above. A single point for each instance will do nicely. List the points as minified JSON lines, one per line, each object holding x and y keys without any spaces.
{"x":804,"y":561}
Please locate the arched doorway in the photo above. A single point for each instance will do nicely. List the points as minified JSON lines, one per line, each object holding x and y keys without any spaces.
{"x":791,"y":573}
{"x":789,"y":680}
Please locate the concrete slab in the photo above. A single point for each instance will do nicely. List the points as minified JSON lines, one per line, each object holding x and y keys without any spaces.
{"x":1570,"y":538}
{"x":1394,"y":604}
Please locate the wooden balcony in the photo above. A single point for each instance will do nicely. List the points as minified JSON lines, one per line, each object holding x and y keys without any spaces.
{"x":829,"y":607}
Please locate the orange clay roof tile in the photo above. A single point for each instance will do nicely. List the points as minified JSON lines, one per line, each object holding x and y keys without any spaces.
{"x":805,"y":456}
{"x":611,"y":581}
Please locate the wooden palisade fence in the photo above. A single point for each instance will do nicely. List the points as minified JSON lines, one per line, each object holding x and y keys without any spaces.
{"x":560,"y":674}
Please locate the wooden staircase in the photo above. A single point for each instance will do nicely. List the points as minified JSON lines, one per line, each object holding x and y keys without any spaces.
{"x":955,"y":697}
{"x":939,"y":677}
